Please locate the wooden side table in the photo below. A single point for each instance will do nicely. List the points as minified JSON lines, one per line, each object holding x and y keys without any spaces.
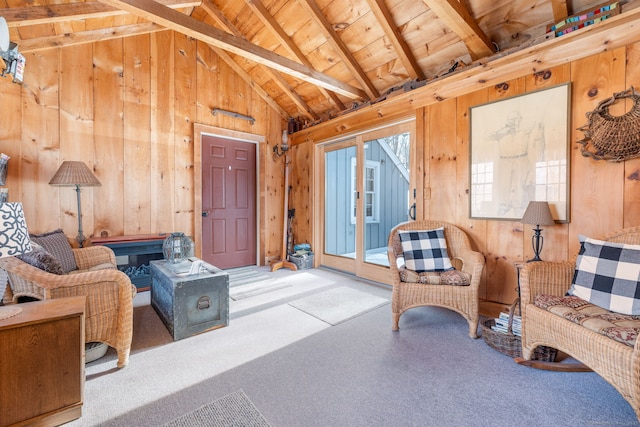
{"x":42,"y":363}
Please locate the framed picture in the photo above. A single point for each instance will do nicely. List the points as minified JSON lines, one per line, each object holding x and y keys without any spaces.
{"x":520,"y":153}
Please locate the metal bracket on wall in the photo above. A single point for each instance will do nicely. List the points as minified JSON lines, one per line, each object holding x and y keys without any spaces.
{"x":233,"y":114}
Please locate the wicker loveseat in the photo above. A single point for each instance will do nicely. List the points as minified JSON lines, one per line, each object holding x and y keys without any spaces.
{"x":425,"y":289}
{"x":604,"y":341}
{"x":109,"y":294}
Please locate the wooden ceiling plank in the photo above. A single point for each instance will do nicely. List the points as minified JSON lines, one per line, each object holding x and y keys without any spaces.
{"x":64,"y":40}
{"x":615,"y":32}
{"x":280,"y":81}
{"x":214,"y":12}
{"x":316,"y":14}
{"x":457,"y":17}
{"x":383,"y":15}
{"x":154,"y":12}
{"x":560,"y":9}
{"x":284,"y":86}
{"x":270,"y":22}
{"x":53,"y":13}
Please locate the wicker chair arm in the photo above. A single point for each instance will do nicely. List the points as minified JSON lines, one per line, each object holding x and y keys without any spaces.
{"x":545,"y":278}
{"x":473,"y":264}
{"x":92,"y":256}
{"x":26,"y":277}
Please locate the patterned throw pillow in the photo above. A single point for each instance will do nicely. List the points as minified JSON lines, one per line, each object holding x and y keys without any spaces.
{"x":40,"y":258}
{"x":56,"y":243}
{"x":608,"y":275}
{"x":425,"y":250}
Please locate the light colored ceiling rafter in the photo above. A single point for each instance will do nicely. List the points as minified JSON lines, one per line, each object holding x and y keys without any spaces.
{"x":154,"y":12}
{"x":54,"y":13}
{"x":383,"y":15}
{"x":270,"y":22}
{"x":280,"y":81}
{"x":316,"y":14}
{"x":64,"y":40}
{"x":560,"y":10}
{"x":456,"y":16}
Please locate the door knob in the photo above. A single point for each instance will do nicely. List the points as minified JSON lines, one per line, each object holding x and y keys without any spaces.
{"x":205,"y":214}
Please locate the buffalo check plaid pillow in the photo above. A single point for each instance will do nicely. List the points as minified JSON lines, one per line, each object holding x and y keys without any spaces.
{"x":608,"y":275}
{"x":425,"y":250}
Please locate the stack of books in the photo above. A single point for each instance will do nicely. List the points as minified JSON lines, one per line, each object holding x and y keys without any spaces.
{"x":502,"y":324}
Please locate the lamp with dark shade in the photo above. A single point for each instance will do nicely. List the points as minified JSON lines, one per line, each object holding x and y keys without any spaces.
{"x":537,"y":213}
{"x":75,"y":174}
{"x":14,"y":240}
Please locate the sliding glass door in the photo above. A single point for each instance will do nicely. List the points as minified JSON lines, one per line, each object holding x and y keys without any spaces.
{"x":339,"y":208}
{"x":365,"y":193}
{"x":385,"y":192}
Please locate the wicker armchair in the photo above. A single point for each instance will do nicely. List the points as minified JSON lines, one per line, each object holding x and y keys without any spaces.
{"x":617,"y":363}
{"x":462,"y":299}
{"x":109,"y":294}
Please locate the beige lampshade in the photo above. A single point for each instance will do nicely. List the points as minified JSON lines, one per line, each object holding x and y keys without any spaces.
{"x":538,"y":213}
{"x":72,"y":173}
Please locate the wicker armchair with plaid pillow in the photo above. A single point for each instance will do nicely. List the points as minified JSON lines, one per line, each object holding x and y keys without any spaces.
{"x":432,"y":263}
{"x":589,"y":308}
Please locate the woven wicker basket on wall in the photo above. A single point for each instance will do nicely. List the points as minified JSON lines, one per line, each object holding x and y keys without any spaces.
{"x":610,"y":137}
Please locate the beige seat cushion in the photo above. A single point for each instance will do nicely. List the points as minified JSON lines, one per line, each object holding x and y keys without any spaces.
{"x":623,"y":328}
{"x":450,"y":277}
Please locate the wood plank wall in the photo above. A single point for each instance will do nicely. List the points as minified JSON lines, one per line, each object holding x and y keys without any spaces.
{"x":604,"y":196}
{"x":127,"y":108}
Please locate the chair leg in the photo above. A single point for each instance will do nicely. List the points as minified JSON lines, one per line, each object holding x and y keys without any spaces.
{"x":396,"y":320}
{"x":123,"y":357}
{"x":473,"y":329}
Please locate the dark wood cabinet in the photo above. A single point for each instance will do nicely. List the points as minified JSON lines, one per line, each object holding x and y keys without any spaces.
{"x":42,"y":363}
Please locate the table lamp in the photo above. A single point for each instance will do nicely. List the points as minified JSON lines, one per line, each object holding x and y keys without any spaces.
{"x":76,"y":174}
{"x":537,"y":213}
{"x":14,"y":240}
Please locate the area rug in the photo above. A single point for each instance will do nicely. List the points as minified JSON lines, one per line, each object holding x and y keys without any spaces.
{"x":246,"y":275}
{"x":247,"y":282}
{"x":234,"y":409}
{"x":338,"y":305}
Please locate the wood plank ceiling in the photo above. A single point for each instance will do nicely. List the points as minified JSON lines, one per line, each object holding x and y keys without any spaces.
{"x":309,"y":59}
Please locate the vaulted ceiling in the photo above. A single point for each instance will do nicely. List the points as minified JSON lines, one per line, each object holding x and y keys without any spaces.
{"x":310,"y":59}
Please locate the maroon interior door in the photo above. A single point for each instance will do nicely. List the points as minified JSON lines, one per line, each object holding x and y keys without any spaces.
{"x":228,"y":202}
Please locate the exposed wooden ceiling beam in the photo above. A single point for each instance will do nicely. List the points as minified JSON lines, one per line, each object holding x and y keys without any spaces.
{"x":270,"y":22}
{"x":162,"y":15}
{"x":214,"y":12}
{"x":380,"y":10}
{"x":53,"y":13}
{"x":63,"y":40}
{"x":560,"y":9}
{"x":456,"y":16}
{"x":316,"y":14}
{"x":615,"y":32}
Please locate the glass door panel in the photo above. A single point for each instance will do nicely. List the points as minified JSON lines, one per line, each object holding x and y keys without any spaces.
{"x":385,"y":192}
{"x":339,"y":205}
